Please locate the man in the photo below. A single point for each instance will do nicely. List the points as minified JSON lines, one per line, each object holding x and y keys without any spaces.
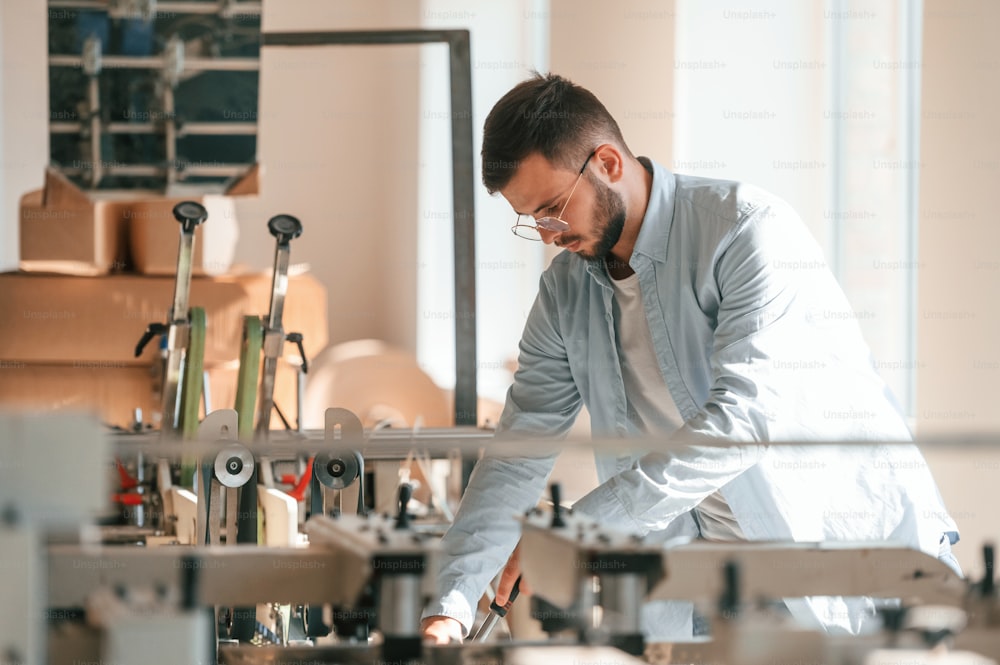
{"x":699,"y":310}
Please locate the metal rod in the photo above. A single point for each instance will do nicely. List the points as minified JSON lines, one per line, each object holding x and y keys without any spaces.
{"x":91,"y":64}
{"x":300,"y":397}
{"x":177,"y":342}
{"x":224,"y":9}
{"x":94,"y":103}
{"x":157,"y":62}
{"x":185,"y":129}
{"x":273,"y":337}
{"x":182,"y":288}
{"x":464,"y":219}
{"x":362,"y":37}
{"x":148,"y":170}
{"x":284,"y":228}
{"x":170,"y":136}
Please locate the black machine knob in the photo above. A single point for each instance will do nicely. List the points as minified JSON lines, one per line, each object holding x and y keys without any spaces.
{"x":152,"y":330}
{"x":190,"y":214}
{"x":296,"y":338}
{"x":729,"y":602}
{"x":405,"y":494}
{"x":988,"y":584}
{"x":557,"y":518}
{"x":285,"y":228}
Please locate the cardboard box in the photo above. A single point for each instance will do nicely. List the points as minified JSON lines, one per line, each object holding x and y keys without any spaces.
{"x":67,"y":230}
{"x":153,"y":231}
{"x":63,"y":231}
{"x":55,"y":319}
{"x":112,"y":391}
{"x":154,"y":237}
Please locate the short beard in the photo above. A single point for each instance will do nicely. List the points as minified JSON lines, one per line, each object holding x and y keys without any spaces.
{"x":611,"y":208}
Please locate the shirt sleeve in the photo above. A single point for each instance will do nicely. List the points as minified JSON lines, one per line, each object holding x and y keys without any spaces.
{"x":761,"y":274}
{"x":543,"y":401}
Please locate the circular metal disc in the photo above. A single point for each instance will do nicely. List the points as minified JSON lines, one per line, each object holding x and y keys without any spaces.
{"x":336,"y":470}
{"x":234,"y":465}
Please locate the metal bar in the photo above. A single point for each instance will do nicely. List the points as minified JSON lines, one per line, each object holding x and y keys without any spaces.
{"x":279,"y":286}
{"x":186,"y":129}
{"x":361,"y":37}
{"x":94,"y":104}
{"x":170,"y":137}
{"x":300,"y":397}
{"x":182,"y":289}
{"x":157,"y":62}
{"x":65,"y":127}
{"x":266,"y":404}
{"x":148,"y":170}
{"x":463,"y":197}
{"x":780,"y":570}
{"x":281,"y":575}
{"x":224,"y":9}
{"x":274,"y":337}
{"x":463,"y":193}
{"x":397,"y":443}
{"x":217,"y":128}
{"x":217,"y":170}
{"x":177,"y":342}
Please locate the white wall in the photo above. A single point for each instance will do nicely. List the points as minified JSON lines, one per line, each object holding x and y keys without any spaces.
{"x":507,"y":42}
{"x":623,"y":53}
{"x":751,"y":88}
{"x":815,"y":102}
{"x":24,"y":114}
{"x":959,"y":263}
{"x":338,"y":140}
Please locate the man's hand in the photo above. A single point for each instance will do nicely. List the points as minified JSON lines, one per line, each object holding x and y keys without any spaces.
{"x":445,"y":630}
{"x":509,"y":575}
{"x":441,"y":630}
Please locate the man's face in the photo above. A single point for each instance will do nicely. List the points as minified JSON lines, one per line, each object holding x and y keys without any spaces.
{"x":595,"y":213}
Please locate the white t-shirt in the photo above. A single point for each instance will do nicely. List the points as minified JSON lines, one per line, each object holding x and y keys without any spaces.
{"x":651,"y":408}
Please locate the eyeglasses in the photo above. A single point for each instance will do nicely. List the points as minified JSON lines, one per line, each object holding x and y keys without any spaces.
{"x":549,"y":223}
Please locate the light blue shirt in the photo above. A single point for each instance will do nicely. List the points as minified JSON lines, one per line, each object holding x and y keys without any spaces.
{"x":756,"y":342}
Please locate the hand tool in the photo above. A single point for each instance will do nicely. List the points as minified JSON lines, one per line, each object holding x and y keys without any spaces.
{"x":497,"y":612}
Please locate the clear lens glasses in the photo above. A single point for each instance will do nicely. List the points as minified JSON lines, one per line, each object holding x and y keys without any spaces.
{"x":525,"y":229}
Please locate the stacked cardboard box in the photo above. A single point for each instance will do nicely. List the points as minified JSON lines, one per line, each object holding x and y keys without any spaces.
{"x":69,"y":341}
{"x":70,"y":320}
{"x":68,"y":231}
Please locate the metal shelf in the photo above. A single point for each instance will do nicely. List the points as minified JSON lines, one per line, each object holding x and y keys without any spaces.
{"x":159,"y":62}
{"x":183,"y":129}
{"x":223,"y":8}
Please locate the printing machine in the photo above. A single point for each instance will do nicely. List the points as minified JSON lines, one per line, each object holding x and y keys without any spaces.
{"x":351,"y":587}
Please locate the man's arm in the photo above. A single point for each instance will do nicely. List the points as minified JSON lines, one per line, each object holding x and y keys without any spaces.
{"x":543,"y":401}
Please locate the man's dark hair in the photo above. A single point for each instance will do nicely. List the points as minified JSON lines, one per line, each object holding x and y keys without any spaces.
{"x":550,"y":115}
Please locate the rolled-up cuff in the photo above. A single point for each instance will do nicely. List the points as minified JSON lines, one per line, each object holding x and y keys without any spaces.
{"x":459,"y":604}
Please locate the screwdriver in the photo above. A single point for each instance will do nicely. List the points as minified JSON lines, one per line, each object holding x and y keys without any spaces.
{"x":496,"y":613}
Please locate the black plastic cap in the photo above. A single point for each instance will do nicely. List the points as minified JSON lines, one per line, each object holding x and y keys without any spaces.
{"x":190,"y":214}
{"x":284,"y":227}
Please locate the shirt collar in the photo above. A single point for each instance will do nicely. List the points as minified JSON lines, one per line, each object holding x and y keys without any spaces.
{"x":656,"y":223}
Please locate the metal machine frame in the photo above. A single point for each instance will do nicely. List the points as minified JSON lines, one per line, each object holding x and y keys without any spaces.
{"x":463,"y":208}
